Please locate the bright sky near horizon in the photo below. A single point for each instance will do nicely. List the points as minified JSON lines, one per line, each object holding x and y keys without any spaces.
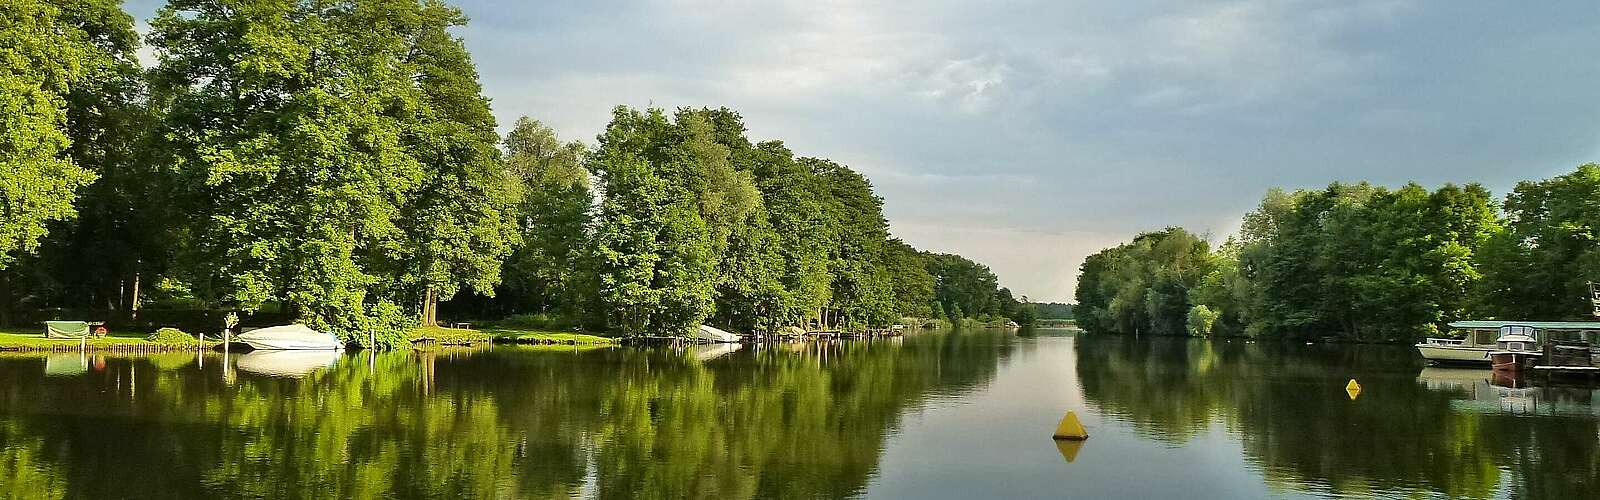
{"x":1029,"y":134}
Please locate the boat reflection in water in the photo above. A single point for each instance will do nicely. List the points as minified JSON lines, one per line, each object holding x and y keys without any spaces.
{"x":291,"y":364}
{"x":60,"y":365}
{"x":1483,"y":391}
{"x":708,"y":352}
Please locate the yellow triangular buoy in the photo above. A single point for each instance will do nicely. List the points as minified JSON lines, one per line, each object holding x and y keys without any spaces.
{"x":1069,"y":448}
{"x":1353,"y":389}
{"x":1070,"y":428}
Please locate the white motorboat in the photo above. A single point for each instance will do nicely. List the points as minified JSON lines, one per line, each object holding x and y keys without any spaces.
{"x":291,"y":337}
{"x":1455,"y":351}
{"x":1473,"y":349}
{"x":714,"y":335}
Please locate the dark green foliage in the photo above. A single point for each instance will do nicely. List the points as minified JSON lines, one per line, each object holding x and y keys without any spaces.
{"x":334,"y":157}
{"x":1364,"y":262}
{"x":1142,"y":287}
{"x":1353,"y":261}
{"x":1540,"y":266}
{"x":914,"y":287}
{"x":1053,"y":310}
{"x":964,"y":288}
{"x":653,"y":248}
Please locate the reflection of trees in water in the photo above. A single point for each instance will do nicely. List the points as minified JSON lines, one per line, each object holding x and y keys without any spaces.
{"x":768,"y":422}
{"x":1287,"y":405}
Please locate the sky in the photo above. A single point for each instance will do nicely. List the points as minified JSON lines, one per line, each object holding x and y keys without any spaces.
{"x":1027,"y":135}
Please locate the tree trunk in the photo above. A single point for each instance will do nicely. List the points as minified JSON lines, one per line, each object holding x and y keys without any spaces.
{"x":133,"y":301}
{"x":430,"y":309}
{"x":5,"y":298}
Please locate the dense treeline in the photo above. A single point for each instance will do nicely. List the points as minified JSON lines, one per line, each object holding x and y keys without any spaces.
{"x":1359,"y":262}
{"x":335,"y":162}
{"x":1054,"y":310}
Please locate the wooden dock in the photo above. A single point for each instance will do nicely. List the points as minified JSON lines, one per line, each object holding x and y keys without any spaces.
{"x":108,"y":348}
{"x":1590,"y":373}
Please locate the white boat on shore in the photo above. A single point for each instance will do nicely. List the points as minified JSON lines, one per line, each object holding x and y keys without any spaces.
{"x":290,"y":337}
{"x":714,"y":335}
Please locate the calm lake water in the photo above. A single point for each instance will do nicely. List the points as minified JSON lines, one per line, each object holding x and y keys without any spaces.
{"x":933,"y":415}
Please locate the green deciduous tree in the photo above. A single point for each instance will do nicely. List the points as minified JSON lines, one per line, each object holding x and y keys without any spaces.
{"x":1540,"y":266}
{"x":335,"y":157}
{"x":653,"y":249}
{"x":461,"y":221}
{"x":49,"y":50}
{"x":1143,"y":287}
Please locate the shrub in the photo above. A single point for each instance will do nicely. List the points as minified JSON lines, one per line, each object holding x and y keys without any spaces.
{"x":172,"y":336}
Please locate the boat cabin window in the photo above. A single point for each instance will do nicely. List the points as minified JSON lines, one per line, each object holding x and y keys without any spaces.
{"x":1518,"y":330}
{"x":1483,"y":337}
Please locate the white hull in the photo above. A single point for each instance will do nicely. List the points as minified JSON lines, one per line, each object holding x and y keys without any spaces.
{"x":1454,"y":354}
{"x":290,"y":345}
{"x":714,"y":335}
{"x":290,"y":337}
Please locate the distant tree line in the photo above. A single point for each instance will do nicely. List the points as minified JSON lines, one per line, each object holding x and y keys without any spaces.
{"x":1054,"y":310}
{"x":335,"y":162}
{"x":1359,"y":262}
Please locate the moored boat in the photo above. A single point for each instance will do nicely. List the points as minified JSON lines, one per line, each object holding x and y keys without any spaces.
{"x":1454,"y":351}
{"x":1516,"y":350}
{"x":1472,"y":349}
{"x":711,"y":334}
{"x":290,"y":337}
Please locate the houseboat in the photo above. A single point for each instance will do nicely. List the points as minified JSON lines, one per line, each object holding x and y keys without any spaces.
{"x":1480,"y":338}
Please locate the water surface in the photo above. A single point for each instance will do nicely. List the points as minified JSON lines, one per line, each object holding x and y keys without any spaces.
{"x":934,"y":415}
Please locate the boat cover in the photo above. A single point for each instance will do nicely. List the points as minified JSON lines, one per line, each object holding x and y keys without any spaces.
{"x":712,"y":334}
{"x":290,"y":337}
{"x":66,"y":329}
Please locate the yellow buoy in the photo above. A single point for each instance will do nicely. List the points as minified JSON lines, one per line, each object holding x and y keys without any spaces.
{"x":1353,"y":389}
{"x":1070,"y":428}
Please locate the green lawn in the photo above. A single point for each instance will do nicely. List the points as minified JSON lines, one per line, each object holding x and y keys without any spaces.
{"x":456,"y":335}
{"x":14,"y":338}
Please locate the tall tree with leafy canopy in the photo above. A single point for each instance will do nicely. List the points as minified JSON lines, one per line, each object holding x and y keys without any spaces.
{"x":548,"y":273}
{"x":1363,"y":261}
{"x":461,"y":220}
{"x":90,"y":261}
{"x":47,"y":53}
{"x":288,"y":125}
{"x":1540,"y":267}
{"x":1143,"y":287}
{"x":963,"y":284}
{"x":750,"y":294}
{"x":914,"y":286}
{"x":654,"y":251}
{"x":795,"y":198}
{"x":861,"y":292}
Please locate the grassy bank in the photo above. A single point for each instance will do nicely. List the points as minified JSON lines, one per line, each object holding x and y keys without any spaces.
{"x":14,"y":339}
{"x":444,"y":335}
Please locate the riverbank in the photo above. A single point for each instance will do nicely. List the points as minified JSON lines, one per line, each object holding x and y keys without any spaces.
{"x":12,"y":339}
{"x":458,"y":336}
